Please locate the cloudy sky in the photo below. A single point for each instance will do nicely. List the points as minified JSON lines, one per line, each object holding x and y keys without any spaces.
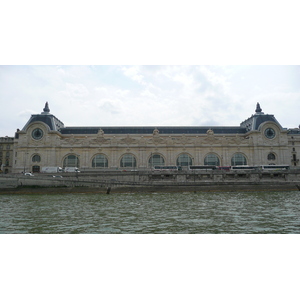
{"x":148,"y":95}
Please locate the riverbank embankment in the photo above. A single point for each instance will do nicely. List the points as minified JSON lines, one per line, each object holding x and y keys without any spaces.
{"x":146,"y":181}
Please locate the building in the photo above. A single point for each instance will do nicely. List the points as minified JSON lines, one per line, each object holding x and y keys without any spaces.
{"x":6,"y":154}
{"x":259,"y":140}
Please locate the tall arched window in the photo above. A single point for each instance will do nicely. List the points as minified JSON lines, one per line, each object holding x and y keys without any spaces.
{"x":156,"y":160}
{"x":211,"y":160}
{"x":100,"y":161}
{"x":238,"y":159}
{"x":36,"y":158}
{"x":184,"y":160}
{"x":271,"y":156}
{"x":71,"y":161}
{"x":128,"y":161}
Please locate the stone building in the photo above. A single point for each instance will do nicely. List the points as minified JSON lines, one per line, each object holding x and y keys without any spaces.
{"x":6,"y":154}
{"x":259,"y":140}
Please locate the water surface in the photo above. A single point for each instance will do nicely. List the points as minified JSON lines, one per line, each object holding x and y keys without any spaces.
{"x":182,"y":213}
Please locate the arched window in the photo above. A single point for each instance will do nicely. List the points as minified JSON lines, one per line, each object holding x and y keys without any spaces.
{"x":100,"y":161}
{"x":36,"y":158}
{"x":184,"y":160}
{"x":271,"y":156}
{"x":128,"y":161}
{"x":238,"y":159}
{"x":211,"y":160}
{"x":156,"y":160}
{"x":71,"y":161}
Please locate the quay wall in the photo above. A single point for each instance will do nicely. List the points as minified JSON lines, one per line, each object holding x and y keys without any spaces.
{"x":147,"y":181}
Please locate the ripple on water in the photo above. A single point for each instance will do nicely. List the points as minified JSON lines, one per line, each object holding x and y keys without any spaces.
{"x":248,"y":212}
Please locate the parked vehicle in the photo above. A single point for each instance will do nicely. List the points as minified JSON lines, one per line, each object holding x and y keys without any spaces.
{"x":274,"y":167}
{"x":28,"y":174}
{"x":166,"y":168}
{"x":72,"y":169}
{"x":204,"y":167}
{"x":52,"y":170}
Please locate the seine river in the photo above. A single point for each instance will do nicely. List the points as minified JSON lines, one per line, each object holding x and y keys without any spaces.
{"x":155,"y":213}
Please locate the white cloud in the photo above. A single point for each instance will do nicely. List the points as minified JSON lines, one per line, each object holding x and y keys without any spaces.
{"x":133,"y":72}
{"x":148,"y":95}
{"x":76,"y":90}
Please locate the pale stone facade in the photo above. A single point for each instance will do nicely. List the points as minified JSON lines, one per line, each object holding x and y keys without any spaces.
{"x":6,"y":154}
{"x":260,"y":140}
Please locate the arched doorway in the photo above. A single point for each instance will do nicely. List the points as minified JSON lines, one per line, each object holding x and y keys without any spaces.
{"x":36,"y":169}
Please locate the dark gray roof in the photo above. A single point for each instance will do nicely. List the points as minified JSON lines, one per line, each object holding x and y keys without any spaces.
{"x":150,"y":129}
{"x":294,"y":131}
{"x":47,"y":118}
{"x":256,"y":120}
{"x":50,"y":120}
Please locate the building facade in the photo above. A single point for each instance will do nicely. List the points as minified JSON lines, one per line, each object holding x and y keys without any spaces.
{"x":259,"y":140}
{"x":6,"y":154}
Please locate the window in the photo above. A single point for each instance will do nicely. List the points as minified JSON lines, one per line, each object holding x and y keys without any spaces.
{"x":128,"y":161}
{"x":271,"y":156}
{"x":238,"y":159}
{"x":100,"y":161}
{"x":184,"y":160}
{"x":156,"y":160}
{"x":35,"y":169}
{"x":71,"y":161}
{"x":211,"y":160}
{"x":36,"y":158}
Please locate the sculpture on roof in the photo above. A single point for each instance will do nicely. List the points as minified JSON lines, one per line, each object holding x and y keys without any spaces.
{"x":258,"y":109}
{"x":46,"y":108}
{"x":155,"y":131}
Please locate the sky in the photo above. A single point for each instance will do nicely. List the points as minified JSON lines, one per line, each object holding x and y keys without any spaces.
{"x":142,"y":95}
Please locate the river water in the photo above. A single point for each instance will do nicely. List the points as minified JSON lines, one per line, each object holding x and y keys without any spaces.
{"x":156,"y":213}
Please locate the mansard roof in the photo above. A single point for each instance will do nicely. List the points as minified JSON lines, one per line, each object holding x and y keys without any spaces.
{"x":257,"y":119}
{"x":47,"y":118}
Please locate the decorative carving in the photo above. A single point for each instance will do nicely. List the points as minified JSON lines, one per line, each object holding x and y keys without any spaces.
{"x":197,"y":141}
{"x":100,"y":132}
{"x":183,"y":140}
{"x":155,"y":132}
{"x":210,"y":139}
{"x":68,"y":141}
{"x":114,"y":141}
{"x":85,"y":142}
{"x":157,"y":140}
{"x":224,"y":141}
{"x":210,"y":132}
{"x":170,"y":141}
{"x":128,"y":140}
{"x":142,"y":141}
{"x":99,"y":140}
